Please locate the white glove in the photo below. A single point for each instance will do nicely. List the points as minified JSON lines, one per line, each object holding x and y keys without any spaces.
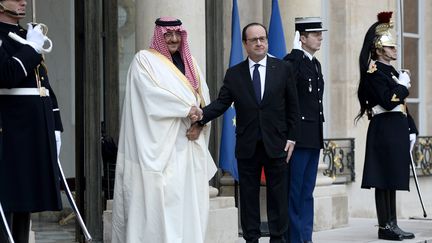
{"x":58,"y":141}
{"x":404,"y":79}
{"x":35,"y":37}
{"x":296,"y":42}
{"x":412,"y":138}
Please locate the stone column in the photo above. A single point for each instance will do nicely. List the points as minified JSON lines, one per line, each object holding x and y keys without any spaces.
{"x":191,"y":13}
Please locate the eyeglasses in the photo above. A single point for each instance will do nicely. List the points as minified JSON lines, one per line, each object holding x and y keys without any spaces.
{"x":171,"y":34}
{"x":262,"y":39}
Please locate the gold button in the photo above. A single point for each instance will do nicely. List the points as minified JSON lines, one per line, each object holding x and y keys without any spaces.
{"x":42,"y":78}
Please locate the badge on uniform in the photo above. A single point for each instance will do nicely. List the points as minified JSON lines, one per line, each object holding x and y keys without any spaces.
{"x":310,"y":85}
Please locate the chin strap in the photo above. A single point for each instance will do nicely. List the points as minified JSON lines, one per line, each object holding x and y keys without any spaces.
{"x":11,"y":12}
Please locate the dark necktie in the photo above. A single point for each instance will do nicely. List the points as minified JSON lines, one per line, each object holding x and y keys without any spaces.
{"x":256,"y":80}
{"x":315,"y":62}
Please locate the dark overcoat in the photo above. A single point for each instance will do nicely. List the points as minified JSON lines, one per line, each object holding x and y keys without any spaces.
{"x":310,"y":89}
{"x":29,"y":175}
{"x":387,"y":158}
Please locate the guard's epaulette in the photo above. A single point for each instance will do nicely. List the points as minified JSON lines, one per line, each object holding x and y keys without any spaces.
{"x":372,"y":67}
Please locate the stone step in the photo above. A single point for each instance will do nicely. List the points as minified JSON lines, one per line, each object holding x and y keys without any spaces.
{"x":360,"y":230}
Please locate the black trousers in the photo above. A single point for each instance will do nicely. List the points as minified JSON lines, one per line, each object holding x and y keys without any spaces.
{"x":19,"y":224}
{"x":250,"y":174}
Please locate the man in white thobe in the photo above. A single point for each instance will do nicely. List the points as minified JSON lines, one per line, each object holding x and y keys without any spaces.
{"x":161,"y":185}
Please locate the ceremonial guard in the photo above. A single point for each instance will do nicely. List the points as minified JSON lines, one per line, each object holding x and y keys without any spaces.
{"x":304,"y":161}
{"x":31,"y":125}
{"x":391,"y":134}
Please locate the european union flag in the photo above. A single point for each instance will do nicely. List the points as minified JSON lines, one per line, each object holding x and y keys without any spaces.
{"x":227,"y":159}
{"x":276,"y":39}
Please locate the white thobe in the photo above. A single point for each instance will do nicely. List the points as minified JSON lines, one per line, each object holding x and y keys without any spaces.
{"x":161,"y":185}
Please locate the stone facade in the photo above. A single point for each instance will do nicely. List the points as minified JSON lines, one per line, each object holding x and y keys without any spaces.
{"x":347,"y":22}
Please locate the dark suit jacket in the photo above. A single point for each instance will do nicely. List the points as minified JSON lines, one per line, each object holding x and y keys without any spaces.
{"x":310,"y":89}
{"x":276,"y":116}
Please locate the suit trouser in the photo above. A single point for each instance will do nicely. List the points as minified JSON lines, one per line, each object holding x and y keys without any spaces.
{"x":302,"y":178}
{"x":250,"y":174}
{"x":19,"y":224}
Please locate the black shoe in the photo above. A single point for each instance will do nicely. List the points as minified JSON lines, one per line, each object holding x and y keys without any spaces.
{"x":308,"y":241}
{"x":388,"y":233}
{"x":405,"y":235}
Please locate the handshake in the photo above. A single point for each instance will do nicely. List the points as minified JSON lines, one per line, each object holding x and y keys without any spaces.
{"x":36,"y":38}
{"x":195,"y":114}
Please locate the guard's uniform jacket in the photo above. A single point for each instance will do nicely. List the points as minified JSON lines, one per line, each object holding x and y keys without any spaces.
{"x":29,"y":175}
{"x":389,"y":128}
{"x":310,"y":89}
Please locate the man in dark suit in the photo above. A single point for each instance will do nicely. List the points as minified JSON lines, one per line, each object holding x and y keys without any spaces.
{"x":265,"y":99}
{"x":304,"y":162}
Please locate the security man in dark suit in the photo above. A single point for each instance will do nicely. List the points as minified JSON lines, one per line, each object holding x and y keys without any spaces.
{"x":265,"y":98}
{"x":304,"y":162}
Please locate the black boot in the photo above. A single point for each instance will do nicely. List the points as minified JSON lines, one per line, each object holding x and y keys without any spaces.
{"x":393,"y":217}
{"x":21,"y":227}
{"x":382,"y":203}
{"x":405,"y":235}
{"x":388,"y":233}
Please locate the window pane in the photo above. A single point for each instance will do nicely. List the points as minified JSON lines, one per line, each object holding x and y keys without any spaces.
{"x":413,"y":111}
{"x":411,"y":63}
{"x":410,"y":17}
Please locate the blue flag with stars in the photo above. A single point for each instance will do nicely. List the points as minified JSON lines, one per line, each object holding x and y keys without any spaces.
{"x":227,"y":159}
{"x":276,"y":38}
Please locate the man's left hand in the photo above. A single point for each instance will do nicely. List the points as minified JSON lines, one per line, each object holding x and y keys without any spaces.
{"x":194,"y":131}
{"x":289,"y":148}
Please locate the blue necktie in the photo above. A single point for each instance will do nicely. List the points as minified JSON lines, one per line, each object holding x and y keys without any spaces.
{"x":256,"y":80}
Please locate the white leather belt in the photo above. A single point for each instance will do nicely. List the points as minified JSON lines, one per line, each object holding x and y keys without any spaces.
{"x":376,"y":110}
{"x":25,"y":91}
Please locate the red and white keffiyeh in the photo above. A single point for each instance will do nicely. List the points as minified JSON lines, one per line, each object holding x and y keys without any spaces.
{"x":158,"y":43}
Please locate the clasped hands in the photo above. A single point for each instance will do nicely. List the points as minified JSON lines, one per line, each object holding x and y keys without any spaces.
{"x":195,"y":114}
